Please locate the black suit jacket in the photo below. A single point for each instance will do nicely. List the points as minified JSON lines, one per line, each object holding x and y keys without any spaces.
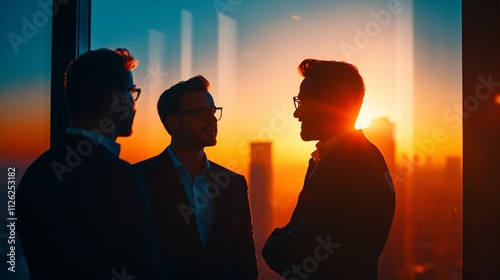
{"x":230,"y":252}
{"x":342,"y":219}
{"x":83,"y":214}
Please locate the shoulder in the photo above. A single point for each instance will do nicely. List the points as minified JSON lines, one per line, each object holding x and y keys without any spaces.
{"x":358,"y":145}
{"x":219,"y":167}
{"x":157,"y":170}
{"x":144,"y":164}
{"x":41,"y":166}
{"x":151,"y":163}
{"x":356,"y":152}
{"x":215,"y":167}
{"x":226,"y":177}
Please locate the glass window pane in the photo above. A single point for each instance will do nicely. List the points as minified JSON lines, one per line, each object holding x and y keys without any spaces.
{"x":24,"y":101}
{"x":409,"y":54}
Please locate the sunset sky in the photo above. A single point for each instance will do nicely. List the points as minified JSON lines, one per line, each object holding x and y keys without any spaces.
{"x":409,"y":53}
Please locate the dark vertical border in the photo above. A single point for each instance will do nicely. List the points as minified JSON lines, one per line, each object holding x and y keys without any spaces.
{"x":70,"y":37}
{"x":481,"y":138}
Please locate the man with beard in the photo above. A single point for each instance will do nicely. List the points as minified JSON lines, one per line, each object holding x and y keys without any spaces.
{"x":83,"y":213}
{"x":345,"y":209}
{"x":200,"y":209}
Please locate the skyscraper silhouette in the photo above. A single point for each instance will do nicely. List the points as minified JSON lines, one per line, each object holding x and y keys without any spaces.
{"x":381,"y":132}
{"x":260,"y":200}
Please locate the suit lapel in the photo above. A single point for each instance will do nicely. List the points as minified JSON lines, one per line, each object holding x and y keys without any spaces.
{"x":312,"y":183}
{"x":173,"y":182}
{"x":330,"y":163}
{"x":177,"y":197}
{"x":218,"y":200}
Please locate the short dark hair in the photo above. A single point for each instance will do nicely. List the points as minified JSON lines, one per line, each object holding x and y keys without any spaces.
{"x":333,"y":77}
{"x":93,"y":74}
{"x":170,"y":100}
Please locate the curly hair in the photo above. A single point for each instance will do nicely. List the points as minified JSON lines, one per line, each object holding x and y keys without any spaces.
{"x":130,"y":62}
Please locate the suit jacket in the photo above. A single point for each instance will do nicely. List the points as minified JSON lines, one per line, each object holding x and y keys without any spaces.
{"x":230,"y":251}
{"x":342,"y":219}
{"x":83,"y":214}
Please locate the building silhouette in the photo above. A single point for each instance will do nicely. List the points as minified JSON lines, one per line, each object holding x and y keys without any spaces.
{"x":425,"y":238}
{"x":381,"y":133}
{"x":260,"y":186}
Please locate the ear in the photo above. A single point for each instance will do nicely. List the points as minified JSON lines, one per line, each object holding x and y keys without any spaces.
{"x":173,"y":122}
{"x":111,"y":100}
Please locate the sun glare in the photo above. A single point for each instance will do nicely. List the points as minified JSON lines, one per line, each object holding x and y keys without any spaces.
{"x":363,"y":121}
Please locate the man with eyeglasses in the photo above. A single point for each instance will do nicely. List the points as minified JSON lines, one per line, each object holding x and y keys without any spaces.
{"x":345,"y":209}
{"x":200,"y":209}
{"x":82,"y":212}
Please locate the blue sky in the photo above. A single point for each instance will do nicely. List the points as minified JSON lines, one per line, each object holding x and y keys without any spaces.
{"x":32,"y":59}
{"x":261,"y":25}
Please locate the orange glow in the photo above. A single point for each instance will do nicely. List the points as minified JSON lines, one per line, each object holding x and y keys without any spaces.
{"x":253,"y":75}
{"x":26,"y":128}
{"x":363,"y":121}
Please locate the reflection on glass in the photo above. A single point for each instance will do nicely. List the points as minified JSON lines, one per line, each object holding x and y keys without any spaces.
{"x":409,"y":54}
{"x":24,"y":107}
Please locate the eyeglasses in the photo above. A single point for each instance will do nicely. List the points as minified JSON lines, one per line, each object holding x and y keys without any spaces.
{"x":135,"y":92}
{"x":203,"y":114}
{"x":296,"y":102}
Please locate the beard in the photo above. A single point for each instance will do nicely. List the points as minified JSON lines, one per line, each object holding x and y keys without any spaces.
{"x":309,"y":132}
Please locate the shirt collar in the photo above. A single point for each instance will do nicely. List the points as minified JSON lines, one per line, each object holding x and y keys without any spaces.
{"x":178,"y":164}
{"x":322,"y":149}
{"x":111,"y":145}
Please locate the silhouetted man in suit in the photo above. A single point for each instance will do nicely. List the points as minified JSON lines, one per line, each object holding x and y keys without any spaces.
{"x":200,"y":209}
{"x":83,"y":213}
{"x":345,"y":209}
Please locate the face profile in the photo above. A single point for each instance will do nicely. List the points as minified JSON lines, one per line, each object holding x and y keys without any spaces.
{"x":201,"y":209}
{"x":100,"y":92}
{"x":347,"y":198}
{"x":308,"y":112}
{"x":83,"y":171}
{"x":329,"y":99}
{"x":123,"y":106}
{"x":196,"y":122}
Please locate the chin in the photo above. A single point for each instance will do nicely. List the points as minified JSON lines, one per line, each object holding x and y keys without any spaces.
{"x":125,"y":133}
{"x":307,"y":136}
{"x":211,"y":143}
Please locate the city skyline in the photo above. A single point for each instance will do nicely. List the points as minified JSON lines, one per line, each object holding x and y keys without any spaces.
{"x":413,"y":78}
{"x":425,"y":241}
{"x":169,"y":49}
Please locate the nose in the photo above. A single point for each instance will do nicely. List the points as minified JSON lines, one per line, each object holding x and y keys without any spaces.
{"x":296,"y":113}
{"x":212,"y":118}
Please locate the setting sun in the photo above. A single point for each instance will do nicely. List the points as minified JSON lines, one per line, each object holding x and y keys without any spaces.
{"x":249,"y":51}
{"x":363,"y":121}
